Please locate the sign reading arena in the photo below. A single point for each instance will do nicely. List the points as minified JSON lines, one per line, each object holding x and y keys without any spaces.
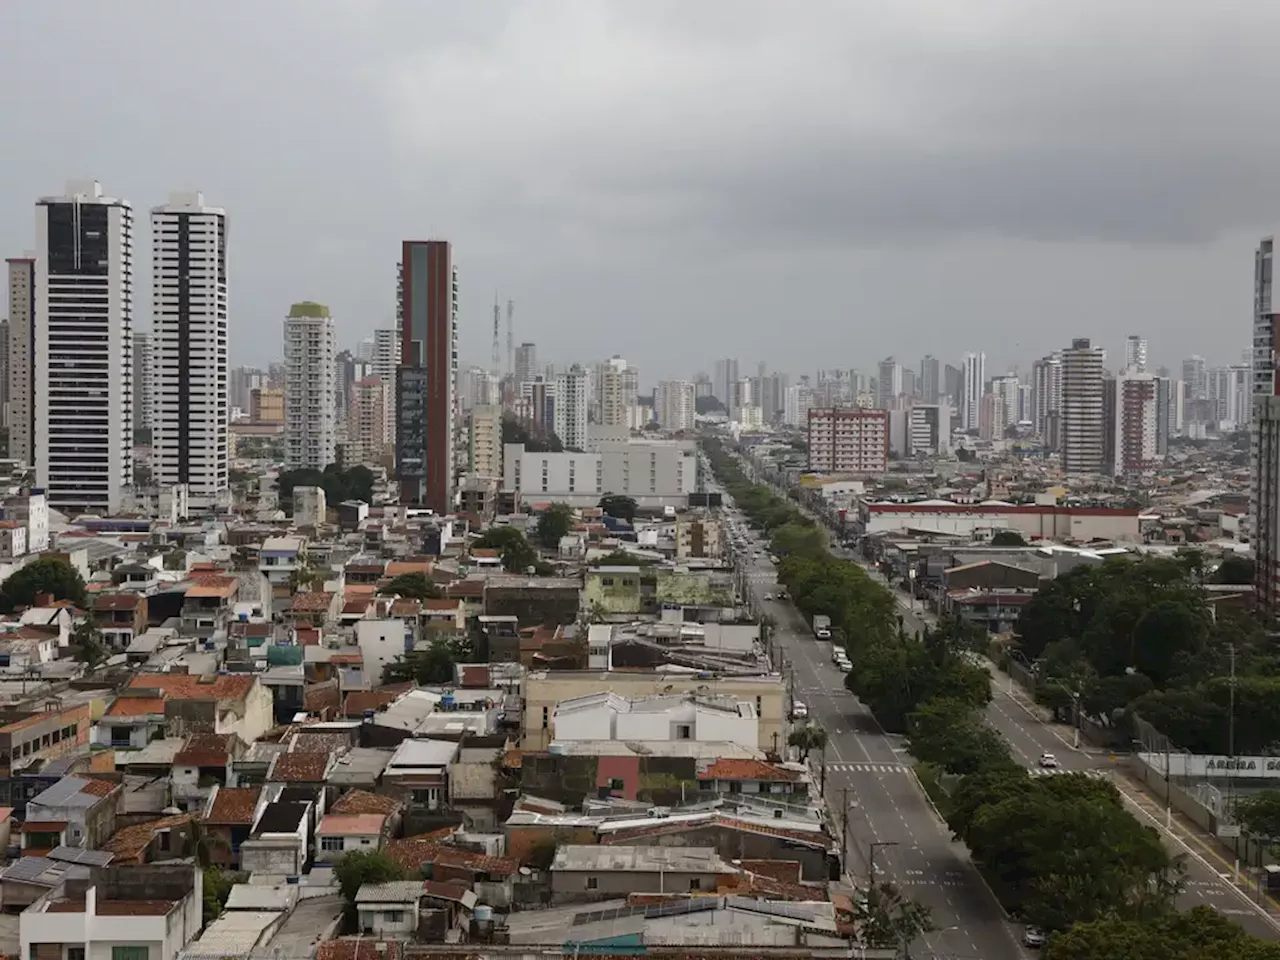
{"x":1209,"y":765}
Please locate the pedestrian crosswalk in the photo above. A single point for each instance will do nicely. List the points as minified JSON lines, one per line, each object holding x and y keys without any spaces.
{"x":867,"y":767}
{"x":1050,"y":771}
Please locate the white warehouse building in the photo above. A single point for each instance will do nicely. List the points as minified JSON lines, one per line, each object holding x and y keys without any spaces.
{"x":666,"y":717}
{"x":656,"y":473}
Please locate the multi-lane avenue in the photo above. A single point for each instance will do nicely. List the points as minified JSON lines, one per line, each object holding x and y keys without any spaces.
{"x":869,"y":772}
{"x":891,"y":821}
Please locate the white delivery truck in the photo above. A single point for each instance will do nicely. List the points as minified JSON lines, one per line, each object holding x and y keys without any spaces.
{"x":822,"y":627}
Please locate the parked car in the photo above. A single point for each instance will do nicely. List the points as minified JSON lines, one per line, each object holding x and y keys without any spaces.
{"x":1033,"y":937}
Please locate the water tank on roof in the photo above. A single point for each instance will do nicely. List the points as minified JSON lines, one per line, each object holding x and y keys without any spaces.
{"x":484,"y":913}
{"x":447,"y":701}
{"x":556,"y":750}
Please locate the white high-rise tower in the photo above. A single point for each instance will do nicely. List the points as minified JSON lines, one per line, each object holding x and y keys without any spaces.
{"x":189,"y":401}
{"x":310,"y":425}
{"x":82,"y":384}
{"x":1135,"y":354}
{"x":975,"y":376}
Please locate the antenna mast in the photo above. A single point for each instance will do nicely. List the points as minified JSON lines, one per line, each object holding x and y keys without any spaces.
{"x":497,"y":353}
{"x":511,"y":338}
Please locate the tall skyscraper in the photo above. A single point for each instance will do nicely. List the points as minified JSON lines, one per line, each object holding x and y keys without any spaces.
{"x":888,"y":384}
{"x":144,"y":385}
{"x":1009,"y":389}
{"x":930,"y":380}
{"x":367,"y":441}
{"x":189,"y":343}
{"x":953,"y":387}
{"x":526,"y":364}
{"x":1134,"y":423}
{"x":83,"y":361}
{"x":1264,"y":325}
{"x":973,"y":386}
{"x":675,"y":405}
{"x":1195,"y":374}
{"x":1135,"y":353}
{"x":1046,"y":392}
{"x":799,"y":399}
{"x":571,"y":400}
{"x":618,"y":384}
{"x":383,"y":360}
{"x":992,"y":418}
{"x":1082,"y":426}
{"x":22,"y":345}
{"x":426,"y":407}
{"x":484,"y":449}
{"x":310,"y":427}
{"x":726,"y":375}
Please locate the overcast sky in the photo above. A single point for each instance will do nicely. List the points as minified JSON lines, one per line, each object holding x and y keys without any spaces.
{"x":813,"y":183}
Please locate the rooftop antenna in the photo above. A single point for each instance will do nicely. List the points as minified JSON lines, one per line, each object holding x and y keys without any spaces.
{"x":497,"y":349}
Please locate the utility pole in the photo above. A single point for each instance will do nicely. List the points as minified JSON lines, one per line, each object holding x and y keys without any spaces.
{"x":844,"y":829}
{"x":822,"y":789}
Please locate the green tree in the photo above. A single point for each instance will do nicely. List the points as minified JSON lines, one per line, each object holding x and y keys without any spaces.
{"x":556,"y":522}
{"x":1234,"y":569}
{"x":1259,"y":813}
{"x":517,"y":556}
{"x":87,"y":646}
{"x":891,"y":920}
{"x":353,"y":870}
{"x":433,"y":665}
{"x":51,"y":575}
{"x":950,"y":734}
{"x":708,"y":404}
{"x":534,"y":438}
{"x":1201,"y":933}
{"x":1008,"y":538}
{"x":412,"y":586}
{"x":216,"y":891}
{"x":621,"y":507}
{"x":807,"y":739}
{"x":621,"y":558}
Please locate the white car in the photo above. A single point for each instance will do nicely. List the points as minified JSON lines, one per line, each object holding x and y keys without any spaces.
{"x":1048,"y":761}
{"x":799,"y":711}
{"x":768,"y":596}
{"x":1033,"y":937}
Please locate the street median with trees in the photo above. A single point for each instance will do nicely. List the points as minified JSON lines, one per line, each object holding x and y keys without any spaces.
{"x":1060,"y":852}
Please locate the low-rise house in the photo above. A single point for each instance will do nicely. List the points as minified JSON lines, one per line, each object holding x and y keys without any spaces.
{"x":120,"y":618}
{"x":418,"y":772}
{"x":583,"y":873}
{"x":30,"y":738}
{"x":391,"y":910}
{"x":491,"y":878}
{"x":444,"y":614}
{"x":228,"y":819}
{"x":74,"y":812}
{"x":166,"y":838}
{"x":207,"y":604}
{"x":132,"y":721}
{"x":280,"y":559}
{"x":24,"y":648}
{"x":203,"y":764}
{"x":281,"y":839}
{"x":684,"y":716}
{"x":316,"y":608}
{"x":302,"y":767}
{"x":220,"y":703}
{"x":13,"y":540}
{"x":27,"y":879}
{"x":136,"y":912}
{"x":340,"y":833}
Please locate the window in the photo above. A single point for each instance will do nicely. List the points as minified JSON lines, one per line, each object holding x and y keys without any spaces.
{"x":592,"y":884}
{"x":617,"y":783}
{"x":75,"y":953}
{"x":544,"y":718}
{"x":130,"y":953}
{"x":393,"y":916}
{"x":330,"y":843}
{"x":695,"y":884}
{"x":684,"y":731}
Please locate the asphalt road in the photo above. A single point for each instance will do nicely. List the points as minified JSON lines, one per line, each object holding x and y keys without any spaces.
{"x":1030,"y":738}
{"x":887,"y":807}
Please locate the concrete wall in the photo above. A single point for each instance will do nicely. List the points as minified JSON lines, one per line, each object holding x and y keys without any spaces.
{"x":570,"y":886}
{"x":380,"y":641}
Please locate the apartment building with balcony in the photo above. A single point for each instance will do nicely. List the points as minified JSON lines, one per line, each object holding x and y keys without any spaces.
{"x":310,"y":416}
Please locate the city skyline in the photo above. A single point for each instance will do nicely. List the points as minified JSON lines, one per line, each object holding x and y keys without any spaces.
{"x":839,"y":257}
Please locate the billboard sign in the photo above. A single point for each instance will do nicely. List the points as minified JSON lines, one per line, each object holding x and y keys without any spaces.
{"x":1204,"y":766}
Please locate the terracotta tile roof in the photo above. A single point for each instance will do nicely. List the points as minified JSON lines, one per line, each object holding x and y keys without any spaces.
{"x":465,"y":589}
{"x":212,"y":587}
{"x":325,"y":742}
{"x":234,"y":806}
{"x":300,"y":767}
{"x":322,"y":696}
{"x":397,"y":568}
{"x":362,"y":948}
{"x":362,"y":801}
{"x":359,"y":591}
{"x":475,"y":675}
{"x":357,"y":607}
{"x":445,"y":603}
{"x":136,"y":707}
{"x":44,"y":826}
{"x":747,"y":770}
{"x":412,"y":853}
{"x":129,"y":843}
{"x":308,"y":636}
{"x":347,"y":658}
{"x":99,"y":788}
{"x":187,"y":686}
{"x":787,"y":871}
{"x":110,"y":602}
{"x":358,"y":701}
{"x":351,"y":824}
{"x":444,"y":891}
{"x":315,"y":602}
{"x":486,"y":553}
{"x":405,"y":607}
{"x":115,"y":908}
{"x":205,"y":750}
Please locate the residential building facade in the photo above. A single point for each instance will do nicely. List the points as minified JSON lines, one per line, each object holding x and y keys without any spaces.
{"x":310,"y":427}
{"x":848,"y":440}
{"x":1082,"y":420}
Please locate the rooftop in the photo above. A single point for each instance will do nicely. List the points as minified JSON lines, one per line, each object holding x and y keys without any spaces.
{"x":234,"y":805}
{"x":187,"y":686}
{"x":586,"y":857}
{"x":363,"y":802}
{"x":358,"y":824}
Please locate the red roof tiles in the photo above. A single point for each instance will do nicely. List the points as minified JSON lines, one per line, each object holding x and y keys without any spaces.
{"x":300,"y":767}
{"x":747,"y":770}
{"x":188,"y":686}
{"x":234,"y":806}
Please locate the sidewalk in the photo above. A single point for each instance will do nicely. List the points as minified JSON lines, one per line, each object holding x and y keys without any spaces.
{"x":1023,"y":698}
